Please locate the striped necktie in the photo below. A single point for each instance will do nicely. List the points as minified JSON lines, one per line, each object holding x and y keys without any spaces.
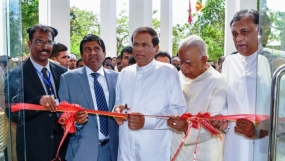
{"x":101,"y":104}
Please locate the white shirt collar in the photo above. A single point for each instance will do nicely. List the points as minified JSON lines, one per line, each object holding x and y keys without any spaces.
{"x":40,"y":67}
{"x":147,"y":67}
{"x":250,"y":57}
{"x":100,"y":71}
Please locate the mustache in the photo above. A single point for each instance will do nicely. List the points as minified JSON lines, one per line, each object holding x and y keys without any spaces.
{"x":45,"y":51}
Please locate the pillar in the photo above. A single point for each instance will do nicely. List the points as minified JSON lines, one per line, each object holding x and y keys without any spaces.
{"x":108,"y":26}
{"x":140,"y":14}
{"x":56,"y":13}
{"x":166,"y":25}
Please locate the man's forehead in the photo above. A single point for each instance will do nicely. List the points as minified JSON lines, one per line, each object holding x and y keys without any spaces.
{"x":128,"y":53}
{"x":92,"y":43}
{"x":146,"y":36}
{"x":244,"y":23}
{"x":63,"y":53}
{"x":42,"y":34}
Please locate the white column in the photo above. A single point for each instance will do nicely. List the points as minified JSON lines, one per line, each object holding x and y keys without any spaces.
{"x":2,"y":22}
{"x":56,"y":13}
{"x":108,"y":26}
{"x":140,"y":14}
{"x":229,"y":14}
{"x":233,"y":6}
{"x":4,"y":44}
{"x":166,"y":25}
{"x":246,"y":4}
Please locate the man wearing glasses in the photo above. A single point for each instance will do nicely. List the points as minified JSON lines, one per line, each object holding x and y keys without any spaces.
{"x":36,"y":82}
{"x":147,"y":88}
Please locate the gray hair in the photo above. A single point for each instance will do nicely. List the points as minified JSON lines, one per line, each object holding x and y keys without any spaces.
{"x":197,"y":41}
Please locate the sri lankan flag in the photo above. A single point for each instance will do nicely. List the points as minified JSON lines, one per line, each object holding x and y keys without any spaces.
{"x":199,"y":5}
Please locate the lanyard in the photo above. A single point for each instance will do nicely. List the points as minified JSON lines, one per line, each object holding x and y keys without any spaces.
{"x":48,"y":82}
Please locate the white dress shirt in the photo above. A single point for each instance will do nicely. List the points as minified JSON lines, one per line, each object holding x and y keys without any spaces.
{"x":248,"y":86}
{"x":38,"y":69}
{"x":206,"y":93}
{"x":153,"y":89}
{"x":102,"y":80}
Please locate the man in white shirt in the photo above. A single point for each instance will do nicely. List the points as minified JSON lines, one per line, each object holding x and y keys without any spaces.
{"x":204,"y":90}
{"x":248,"y":87}
{"x":148,"y":88}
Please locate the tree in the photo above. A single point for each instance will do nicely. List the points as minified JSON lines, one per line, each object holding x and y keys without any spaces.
{"x":82,"y":23}
{"x":30,"y":17}
{"x":20,"y":20}
{"x":179,"y":32}
{"x":210,"y":26}
{"x":122,"y":29}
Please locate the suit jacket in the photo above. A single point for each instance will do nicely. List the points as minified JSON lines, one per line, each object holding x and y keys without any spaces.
{"x":74,"y":88}
{"x":38,"y":132}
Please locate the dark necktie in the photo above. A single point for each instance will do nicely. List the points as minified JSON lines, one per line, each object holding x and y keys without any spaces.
{"x":101,"y":104}
{"x":48,"y":83}
{"x":50,"y":90}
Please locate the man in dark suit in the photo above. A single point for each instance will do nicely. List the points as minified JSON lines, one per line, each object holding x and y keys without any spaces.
{"x":36,"y":81}
{"x":92,"y":87}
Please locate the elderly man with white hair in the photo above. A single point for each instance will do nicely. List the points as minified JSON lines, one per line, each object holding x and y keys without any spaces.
{"x":205,"y":91}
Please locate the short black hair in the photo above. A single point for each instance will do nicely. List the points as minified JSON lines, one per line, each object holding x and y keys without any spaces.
{"x":108,"y":58}
{"x":246,"y":13}
{"x":132,"y":60}
{"x":41,"y":28}
{"x":128,"y":49}
{"x":119,"y":57}
{"x":56,"y":48}
{"x":163,"y":54}
{"x":78,"y":61}
{"x":152,"y":32}
{"x":91,"y":37}
{"x":4,"y":60}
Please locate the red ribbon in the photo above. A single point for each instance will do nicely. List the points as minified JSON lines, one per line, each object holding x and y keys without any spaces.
{"x":194,"y":121}
{"x":202,"y":119}
{"x":67,"y":118}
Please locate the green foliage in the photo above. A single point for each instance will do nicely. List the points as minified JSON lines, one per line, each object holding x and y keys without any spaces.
{"x":82,"y":23}
{"x":210,"y":26}
{"x":155,"y":23}
{"x":20,"y":19}
{"x":179,"y":32}
{"x":30,"y":17}
{"x":122,"y":29}
{"x":272,"y":23}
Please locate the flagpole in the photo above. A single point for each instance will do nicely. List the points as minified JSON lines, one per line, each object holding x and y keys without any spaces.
{"x":200,"y":24}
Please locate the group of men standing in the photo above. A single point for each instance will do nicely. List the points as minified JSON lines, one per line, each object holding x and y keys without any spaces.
{"x":147,"y":92}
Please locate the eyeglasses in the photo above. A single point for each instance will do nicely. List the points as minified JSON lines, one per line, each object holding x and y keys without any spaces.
{"x":143,"y":45}
{"x":40,"y":42}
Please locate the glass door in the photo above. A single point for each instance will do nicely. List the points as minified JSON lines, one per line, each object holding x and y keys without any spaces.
{"x":270,"y":98}
{"x":10,"y":57}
